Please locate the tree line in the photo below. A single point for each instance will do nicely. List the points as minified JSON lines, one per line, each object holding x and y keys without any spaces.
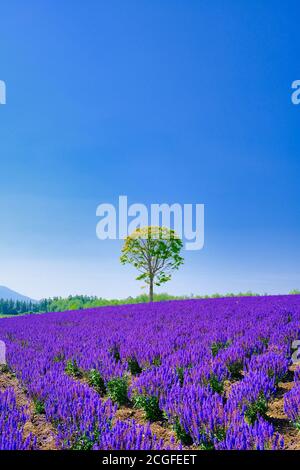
{"x":79,"y":302}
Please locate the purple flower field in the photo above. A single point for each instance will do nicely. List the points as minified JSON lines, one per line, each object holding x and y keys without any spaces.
{"x":204,"y":372}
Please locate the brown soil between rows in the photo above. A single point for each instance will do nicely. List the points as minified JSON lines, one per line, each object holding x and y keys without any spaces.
{"x":278,"y":418}
{"x":37,"y":424}
{"x":44,"y":432}
{"x":125,"y":413}
{"x":158,"y":428}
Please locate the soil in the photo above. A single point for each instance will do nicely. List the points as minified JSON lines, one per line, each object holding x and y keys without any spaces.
{"x":37,"y":424}
{"x":279,"y":419}
{"x":45,"y":434}
{"x":161,"y":430}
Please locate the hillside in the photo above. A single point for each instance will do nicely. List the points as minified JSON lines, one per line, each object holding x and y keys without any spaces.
{"x":8,"y":294}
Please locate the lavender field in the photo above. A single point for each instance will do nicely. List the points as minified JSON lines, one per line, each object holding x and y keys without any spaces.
{"x":195,"y":374}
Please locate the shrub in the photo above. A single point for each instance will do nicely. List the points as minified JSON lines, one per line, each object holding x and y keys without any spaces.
{"x":150,"y":405}
{"x":208,"y":443}
{"x":256,"y":409}
{"x":235,"y":368}
{"x":118,"y":390}
{"x":115,"y":353}
{"x":216,"y":384}
{"x":181,"y":434}
{"x":217,"y":346}
{"x":152,"y":409}
{"x":96,"y":381}
{"x":83,"y":443}
{"x":72,"y":368}
{"x":39,"y":406}
{"x":134,"y":366}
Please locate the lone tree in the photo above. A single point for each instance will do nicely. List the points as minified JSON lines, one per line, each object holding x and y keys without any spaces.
{"x":155,"y":252}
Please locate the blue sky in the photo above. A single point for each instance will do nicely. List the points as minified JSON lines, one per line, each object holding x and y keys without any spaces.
{"x":163,"y":101}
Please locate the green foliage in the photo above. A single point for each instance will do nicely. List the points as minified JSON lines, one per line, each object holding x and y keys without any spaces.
{"x":150,"y":405}
{"x":4,"y":368}
{"x":235,"y":368}
{"x":96,"y":381}
{"x":217,"y":346}
{"x":118,"y":390}
{"x":138,"y":401}
{"x":156,"y":361}
{"x":218,"y":435}
{"x":295,"y":292}
{"x":115,"y":353}
{"x":181,"y":434}
{"x":73,"y":369}
{"x":208,"y":445}
{"x":18,"y":307}
{"x":180,"y":373}
{"x":60,"y":304}
{"x":278,"y":377}
{"x":185,"y":438}
{"x":255,"y":409}
{"x":265,"y":341}
{"x":59,"y":357}
{"x":83,"y":442}
{"x":39,"y":406}
{"x":134,"y":366}
{"x":152,"y":409}
{"x":216,"y":385}
{"x":79,"y":302}
{"x":155,"y":253}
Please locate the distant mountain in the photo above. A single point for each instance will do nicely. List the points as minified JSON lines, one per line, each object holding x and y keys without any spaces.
{"x":8,"y":294}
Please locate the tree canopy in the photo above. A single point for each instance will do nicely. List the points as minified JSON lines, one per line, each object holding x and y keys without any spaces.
{"x":155,"y":253}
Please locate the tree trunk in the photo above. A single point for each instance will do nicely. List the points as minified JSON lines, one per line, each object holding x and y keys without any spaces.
{"x":151,"y":291}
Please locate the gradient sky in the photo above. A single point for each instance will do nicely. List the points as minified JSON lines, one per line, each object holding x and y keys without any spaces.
{"x":163,"y":101}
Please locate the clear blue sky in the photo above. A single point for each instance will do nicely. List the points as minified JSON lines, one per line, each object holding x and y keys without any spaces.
{"x":164,"y":101}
